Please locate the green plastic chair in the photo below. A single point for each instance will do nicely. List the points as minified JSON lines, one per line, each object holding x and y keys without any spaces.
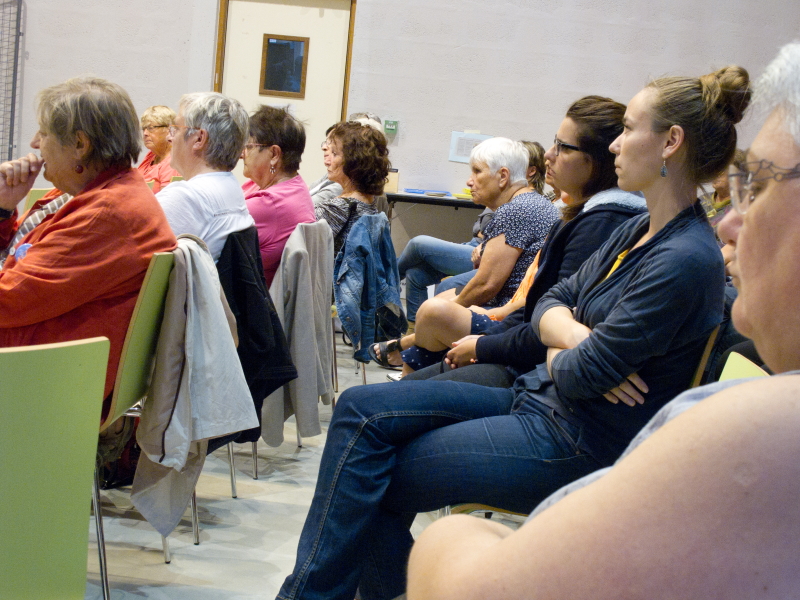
{"x":133,"y":374}
{"x":50,"y":405}
{"x":34,"y":195}
{"x":739,"y":367}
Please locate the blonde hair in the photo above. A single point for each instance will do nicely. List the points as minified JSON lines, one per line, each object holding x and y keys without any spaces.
{"x":536,"y":181}
{"x":707,"y":109}
{"x":158,"y":115}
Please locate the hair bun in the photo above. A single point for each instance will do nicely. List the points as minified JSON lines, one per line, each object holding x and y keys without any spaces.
{"x":727,"y":89}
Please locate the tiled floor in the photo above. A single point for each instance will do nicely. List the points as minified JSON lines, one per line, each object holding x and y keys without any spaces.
{"x":247,"y":545}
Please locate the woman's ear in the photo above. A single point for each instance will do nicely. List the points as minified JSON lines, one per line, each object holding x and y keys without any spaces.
{"x":277,"y":154}
{"x":674,"y":141}
{"x":503,"y":177}
{"x":82,"y":146}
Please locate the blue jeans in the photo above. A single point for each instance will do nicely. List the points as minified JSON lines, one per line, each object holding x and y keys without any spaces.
{"x":397,"y":449}
{"x":425,"y":261}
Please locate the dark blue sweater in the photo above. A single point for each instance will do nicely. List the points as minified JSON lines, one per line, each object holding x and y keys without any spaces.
{"x":652,"y":316}
{"x":512,"y":342}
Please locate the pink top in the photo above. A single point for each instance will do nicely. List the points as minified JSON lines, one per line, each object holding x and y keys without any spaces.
{"x":277,"y":210}
{"x":161,"y":174}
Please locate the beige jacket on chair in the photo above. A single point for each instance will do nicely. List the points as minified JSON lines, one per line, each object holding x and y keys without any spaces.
{"x":198,"y":390}
{"x":301,"y":291}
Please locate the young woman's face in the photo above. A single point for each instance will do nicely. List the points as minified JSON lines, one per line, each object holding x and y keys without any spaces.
{"x":568,"y":169}
{"x":639,"y":149}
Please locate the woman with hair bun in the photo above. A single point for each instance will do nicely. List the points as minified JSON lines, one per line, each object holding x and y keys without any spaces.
{"x":356,"y":158}
{"x":624,"y":335}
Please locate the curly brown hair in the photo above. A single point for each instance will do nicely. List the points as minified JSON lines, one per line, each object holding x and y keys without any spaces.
{"x":365,"y":156}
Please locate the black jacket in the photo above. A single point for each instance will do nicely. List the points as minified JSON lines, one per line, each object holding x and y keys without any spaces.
{"x":512,"y":341}
{"x":263,"y":349}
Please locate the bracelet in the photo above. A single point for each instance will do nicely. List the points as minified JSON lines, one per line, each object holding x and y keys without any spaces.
{"x":5,"y":213}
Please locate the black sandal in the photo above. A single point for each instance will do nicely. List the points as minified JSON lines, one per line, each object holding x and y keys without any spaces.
{"x":385,"y":348}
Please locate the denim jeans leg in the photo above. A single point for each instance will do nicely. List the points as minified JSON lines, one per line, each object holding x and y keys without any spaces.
{"x":455,"y":281}
{"x":425,"y":261}
{"x":510,"y":461}
{"x":369,"y":424}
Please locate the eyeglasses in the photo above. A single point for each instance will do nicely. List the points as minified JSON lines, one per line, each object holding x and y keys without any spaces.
{"x":248,"y":147}
{"x":745,"y":186}
{"x":559,"y":145}
{"x":151,"y":127}
{"x":173,"y":130}
{"x":325,"y":146}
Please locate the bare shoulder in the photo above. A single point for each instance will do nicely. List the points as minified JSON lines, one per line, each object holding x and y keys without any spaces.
{"x":704,"y":508}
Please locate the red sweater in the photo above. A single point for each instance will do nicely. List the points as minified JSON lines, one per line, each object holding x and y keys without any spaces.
{"x":85,"y":265}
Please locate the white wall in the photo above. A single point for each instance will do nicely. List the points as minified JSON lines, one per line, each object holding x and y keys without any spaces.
{"x":512,"y":67}
{"x":156,"y":49}
{"x":509,"y":67}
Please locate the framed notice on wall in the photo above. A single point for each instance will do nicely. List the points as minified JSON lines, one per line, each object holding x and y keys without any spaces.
{"x":284,"y":60}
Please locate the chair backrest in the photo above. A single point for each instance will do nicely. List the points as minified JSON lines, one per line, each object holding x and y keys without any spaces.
{"x":136,"y":361}
{"x":50,"y":405}
{"x":34,"y":195}
{"x":176,"y":178}
{"x":151,"y":184}
{"x":739,"y":367}
{"x":701,"y":368}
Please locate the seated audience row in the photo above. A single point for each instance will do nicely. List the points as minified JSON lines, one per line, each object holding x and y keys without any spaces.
{"x":709,"y":487}
{"x":580,"y":164}
{"x":624,"y":336}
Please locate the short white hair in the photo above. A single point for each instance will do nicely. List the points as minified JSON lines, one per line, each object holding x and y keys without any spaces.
{"x":500,"y":152}
{"x":779,"y":88}
{"x":226,"y":122}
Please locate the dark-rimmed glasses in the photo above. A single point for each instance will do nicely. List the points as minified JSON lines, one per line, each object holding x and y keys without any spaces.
{"x":745,"y":185}
{"x":559,"y":145}
{"x":151,"y":127}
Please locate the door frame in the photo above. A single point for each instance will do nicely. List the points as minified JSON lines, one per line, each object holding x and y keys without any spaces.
{"x":222,"y":33}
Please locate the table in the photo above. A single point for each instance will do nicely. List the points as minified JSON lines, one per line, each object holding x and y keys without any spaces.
{"x":451,"y":201}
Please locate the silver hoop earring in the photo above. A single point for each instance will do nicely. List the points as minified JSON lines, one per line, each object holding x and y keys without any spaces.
{"x":664,"y":169}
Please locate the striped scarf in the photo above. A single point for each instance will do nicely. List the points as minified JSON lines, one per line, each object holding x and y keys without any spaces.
{"x":31,"y":221}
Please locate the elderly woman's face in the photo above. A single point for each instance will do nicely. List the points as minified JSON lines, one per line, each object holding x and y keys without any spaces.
{"x":60,"y":161}
{"x":154,"y":137}
{"x":767,"y":247}
{"x":483,"y":184}
{"x":334,"y":161}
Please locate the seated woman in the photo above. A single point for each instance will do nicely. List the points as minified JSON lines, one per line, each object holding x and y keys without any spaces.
{"x":73,"y":268}
{"x":426,"y":260}
{"x":643,"y":305}
{"x":156,"y":165}
{"x":277,"y":197}
{"x":579,"y":163}
{"x":356,"y":158}
{"x":730,"y":450}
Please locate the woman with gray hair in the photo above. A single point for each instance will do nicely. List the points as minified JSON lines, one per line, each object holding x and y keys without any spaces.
{"x":72,"y":266}
{"x":207,"y":139}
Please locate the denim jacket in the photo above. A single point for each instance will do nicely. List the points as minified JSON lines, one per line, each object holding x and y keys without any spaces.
{"x":365,"y":281}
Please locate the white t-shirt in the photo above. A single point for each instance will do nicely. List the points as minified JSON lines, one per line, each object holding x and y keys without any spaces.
{"x":210,"y":206}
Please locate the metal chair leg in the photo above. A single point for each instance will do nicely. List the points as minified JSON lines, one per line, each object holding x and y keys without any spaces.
{"x":233,"y":470}
{"x":364,"y":373}
{"x":299,"y":440}
{"x":195,"y":520}
{"x":167,"y":553}
{"x":255,"y":460}
{"x":101,"y":540}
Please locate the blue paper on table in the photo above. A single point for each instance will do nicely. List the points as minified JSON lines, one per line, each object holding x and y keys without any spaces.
{"x":427,"y":192}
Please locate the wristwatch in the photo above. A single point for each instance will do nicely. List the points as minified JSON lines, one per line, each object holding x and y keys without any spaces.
{"x":5,"y":214}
